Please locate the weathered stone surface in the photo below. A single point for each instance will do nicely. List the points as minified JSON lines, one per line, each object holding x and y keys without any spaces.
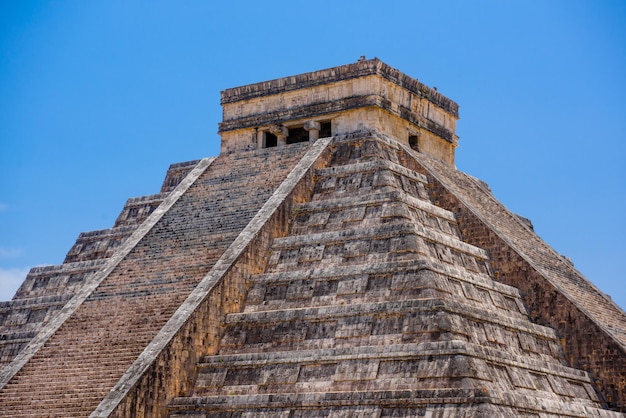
{"x":367,"y":94}
{"x":147,"y":286}
{"x":592,"y":327}
{"x":339,"y":274}
{"x":330,"y":317}
{"x":47,"y":289}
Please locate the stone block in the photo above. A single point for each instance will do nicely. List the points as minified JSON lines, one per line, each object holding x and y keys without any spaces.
{"x":357,"y":370}
{"x":279,"y":374}
{"x":352,"y":285}
{"x":353,"y":327}
{"x":311,"y":253}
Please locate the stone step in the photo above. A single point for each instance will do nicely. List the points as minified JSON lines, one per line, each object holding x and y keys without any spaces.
{"x":53,"y":409}
{"x":137,"y":209}
{"x":363,"y":146}
{"x":397,"y":366}
{"x":379,"y":209}
{"x":54,"y":280}
{"x":314,"y":401}
{"x":376,"y":198}
{"x":382,"y":243}
{"x":370,"y":166}
{"x":381,"y":232}
{"x":435,"y":403}
{"x":100,"y":244}
{"x":354,"y":284}
{"x":17,"y":336}
{"x":339,"y":271}
{"x":175,"y":174}
{"x":409,"y":321}
{"x":391,"y":308}
{"x":34,"y":302}
{"x":377,"y":175}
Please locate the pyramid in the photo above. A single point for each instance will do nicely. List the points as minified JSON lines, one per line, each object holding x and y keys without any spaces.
{"x":330,"y":262}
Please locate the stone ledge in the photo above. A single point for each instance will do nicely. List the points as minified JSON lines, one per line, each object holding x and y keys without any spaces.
{"x":342,"y":399}
{"x":336,"y":106}
{"x":184,"y":164}
{"x":158,"y":197}
{"x":376,"y":198}
{"x":342,"y":271}
{"x":383,"y":231}
{"x":32,"y":302}
{"x":109,"y":232}
{"x":16,"y":337}
{"x":344,"y":72}
{"x":175,"y":173}
{"x":372,"y":166}
{"x":71,"y":267}
{"x":380,"y":232}
{"x":447,"y":399}
{"x":339,"y":271}
{"x":395,"y":307}
{"x":415,"y":351}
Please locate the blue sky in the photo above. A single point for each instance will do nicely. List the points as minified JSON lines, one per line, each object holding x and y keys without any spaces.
{"x":98,"y":98}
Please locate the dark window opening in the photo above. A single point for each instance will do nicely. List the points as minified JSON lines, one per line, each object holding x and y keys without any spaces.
{"x":270,"y":140}
{"x":413,"y":142}
{"x":325,"y":130}
{"x":297,"y":135}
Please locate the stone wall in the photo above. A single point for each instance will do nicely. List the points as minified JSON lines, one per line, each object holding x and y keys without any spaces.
{"x":589,"y":324}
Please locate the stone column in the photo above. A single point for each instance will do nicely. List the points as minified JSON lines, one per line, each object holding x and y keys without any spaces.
{"x":281,"y":134}
{"x":314,"y":130}
{"x":260,"y":139}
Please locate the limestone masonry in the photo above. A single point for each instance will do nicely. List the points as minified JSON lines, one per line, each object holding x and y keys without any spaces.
{"x":330,"y":262}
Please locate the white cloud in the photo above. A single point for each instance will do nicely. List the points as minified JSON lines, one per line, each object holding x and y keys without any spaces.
{"x":10,"y":280}
{"x":10,"y":252}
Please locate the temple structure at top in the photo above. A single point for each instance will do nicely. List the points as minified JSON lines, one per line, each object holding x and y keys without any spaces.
{"x":368,"y":94}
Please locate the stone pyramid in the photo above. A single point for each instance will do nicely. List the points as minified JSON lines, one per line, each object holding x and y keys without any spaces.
{"x":330,"y":262}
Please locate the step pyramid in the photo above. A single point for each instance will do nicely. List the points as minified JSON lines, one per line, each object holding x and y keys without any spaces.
{"x":330,"y":262}
{"x":373,"y":305}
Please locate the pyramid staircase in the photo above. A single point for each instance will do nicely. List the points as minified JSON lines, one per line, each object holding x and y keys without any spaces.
{"x":133,"y":284}
{"x":374,"y":306}
{"x":47,"y":289}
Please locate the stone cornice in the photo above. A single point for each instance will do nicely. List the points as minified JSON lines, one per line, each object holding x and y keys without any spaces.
{"x":344,"y":72}
{"x":324,"y":108}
